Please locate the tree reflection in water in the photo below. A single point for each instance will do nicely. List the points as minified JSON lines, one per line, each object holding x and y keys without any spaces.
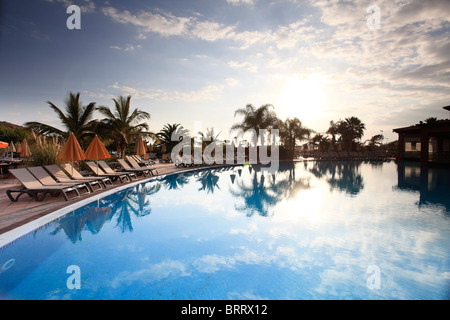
{"x":208,"y":180}
{"x":257,"y":192}
{"x":176,"y":181}
{"x":135,"y":202}
{"x":263,"y":191}
{"x":91,"y":218}
{"x":341,"y":175}
{"x":121,"y":206}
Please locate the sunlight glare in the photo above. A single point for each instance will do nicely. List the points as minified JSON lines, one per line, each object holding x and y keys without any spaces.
{"x":302,"y":97}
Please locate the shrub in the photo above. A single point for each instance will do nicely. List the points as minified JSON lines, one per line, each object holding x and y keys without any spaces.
{"x":44,"y":150}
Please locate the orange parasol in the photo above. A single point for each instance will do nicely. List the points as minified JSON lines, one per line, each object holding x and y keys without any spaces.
{"x":71,"y":150}
{"x":141,"y":147}
{"x":3,"y":145}
{"x":25,"y":153}
{"x":96,"y":151}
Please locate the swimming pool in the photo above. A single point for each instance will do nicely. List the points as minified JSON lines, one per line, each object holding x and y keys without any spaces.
{"x":312,"y":230}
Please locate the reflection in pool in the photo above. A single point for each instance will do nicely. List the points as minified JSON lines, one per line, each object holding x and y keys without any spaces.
{"x":312,"y":230}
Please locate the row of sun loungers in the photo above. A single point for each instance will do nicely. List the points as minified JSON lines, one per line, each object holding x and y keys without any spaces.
{"x":342,"y":155}
{"x":198,"y":161}
{"x":134,"y":166}
{"x":39,"y":181}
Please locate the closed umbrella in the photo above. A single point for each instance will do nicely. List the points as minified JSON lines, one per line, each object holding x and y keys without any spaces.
{"x":12,"y":148}
{"x":18,"y":147}
{"x":25,"y":153}
{"x":96,"y":151}
{"x":141,"y":147}
{"x":71,"y":151}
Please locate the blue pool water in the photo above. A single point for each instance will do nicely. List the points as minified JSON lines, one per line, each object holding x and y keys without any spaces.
{"x":312,"y":230}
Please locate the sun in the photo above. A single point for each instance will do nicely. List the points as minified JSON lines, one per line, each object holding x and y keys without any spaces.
{"x":302,"y":96}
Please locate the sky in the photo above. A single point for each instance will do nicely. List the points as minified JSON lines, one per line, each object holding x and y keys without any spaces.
{"x":195,"y":62}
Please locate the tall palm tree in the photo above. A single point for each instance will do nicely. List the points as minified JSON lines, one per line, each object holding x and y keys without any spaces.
{"x":255,"y":118}
{"x":350,"y":129}
{"x":123,"y":124}
{"x":169,"y":131}
{"x":321,"y":141}
{"x":333,"y":131}
{"x":292,"y":131}
{"x":210,"y":135}
{"x":76,"y":120}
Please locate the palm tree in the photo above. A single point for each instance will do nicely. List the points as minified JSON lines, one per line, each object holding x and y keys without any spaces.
{"x":210,"y":136}
{"x":76,"y":120}
{"x":123,"y":124}
{"x":255,"y":118}
{"x":350,"y":129}
{"x":333,"y":131}
{"x":292,"y":131}
{"x":322,"y":142}
{"x":168,"y":132}
{"x":375,"y":140}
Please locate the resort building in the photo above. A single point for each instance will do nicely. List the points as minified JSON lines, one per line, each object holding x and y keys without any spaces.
{"x":425,"y":142}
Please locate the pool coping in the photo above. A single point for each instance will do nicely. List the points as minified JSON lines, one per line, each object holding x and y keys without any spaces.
{"x":10,"y":236}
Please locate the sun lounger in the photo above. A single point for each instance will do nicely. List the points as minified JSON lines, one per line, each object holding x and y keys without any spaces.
{"x":184,"y":161}
{"x":152,"y":156}
{"x":33,"y":187}
{"x":141,"y":161}
{"x":108,"y":169}
{"x":60,"y":176}
{"x":166,"y":158}
{"x":135,"y":165}
{"x":98,"y":171}
{"x":46,"y":179}
{"x":127,"y":168}
{"x":72,"y":172}
{"x":178,"y":161}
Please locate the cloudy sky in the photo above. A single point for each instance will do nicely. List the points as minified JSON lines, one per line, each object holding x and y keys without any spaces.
{"x":195,"y":62}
